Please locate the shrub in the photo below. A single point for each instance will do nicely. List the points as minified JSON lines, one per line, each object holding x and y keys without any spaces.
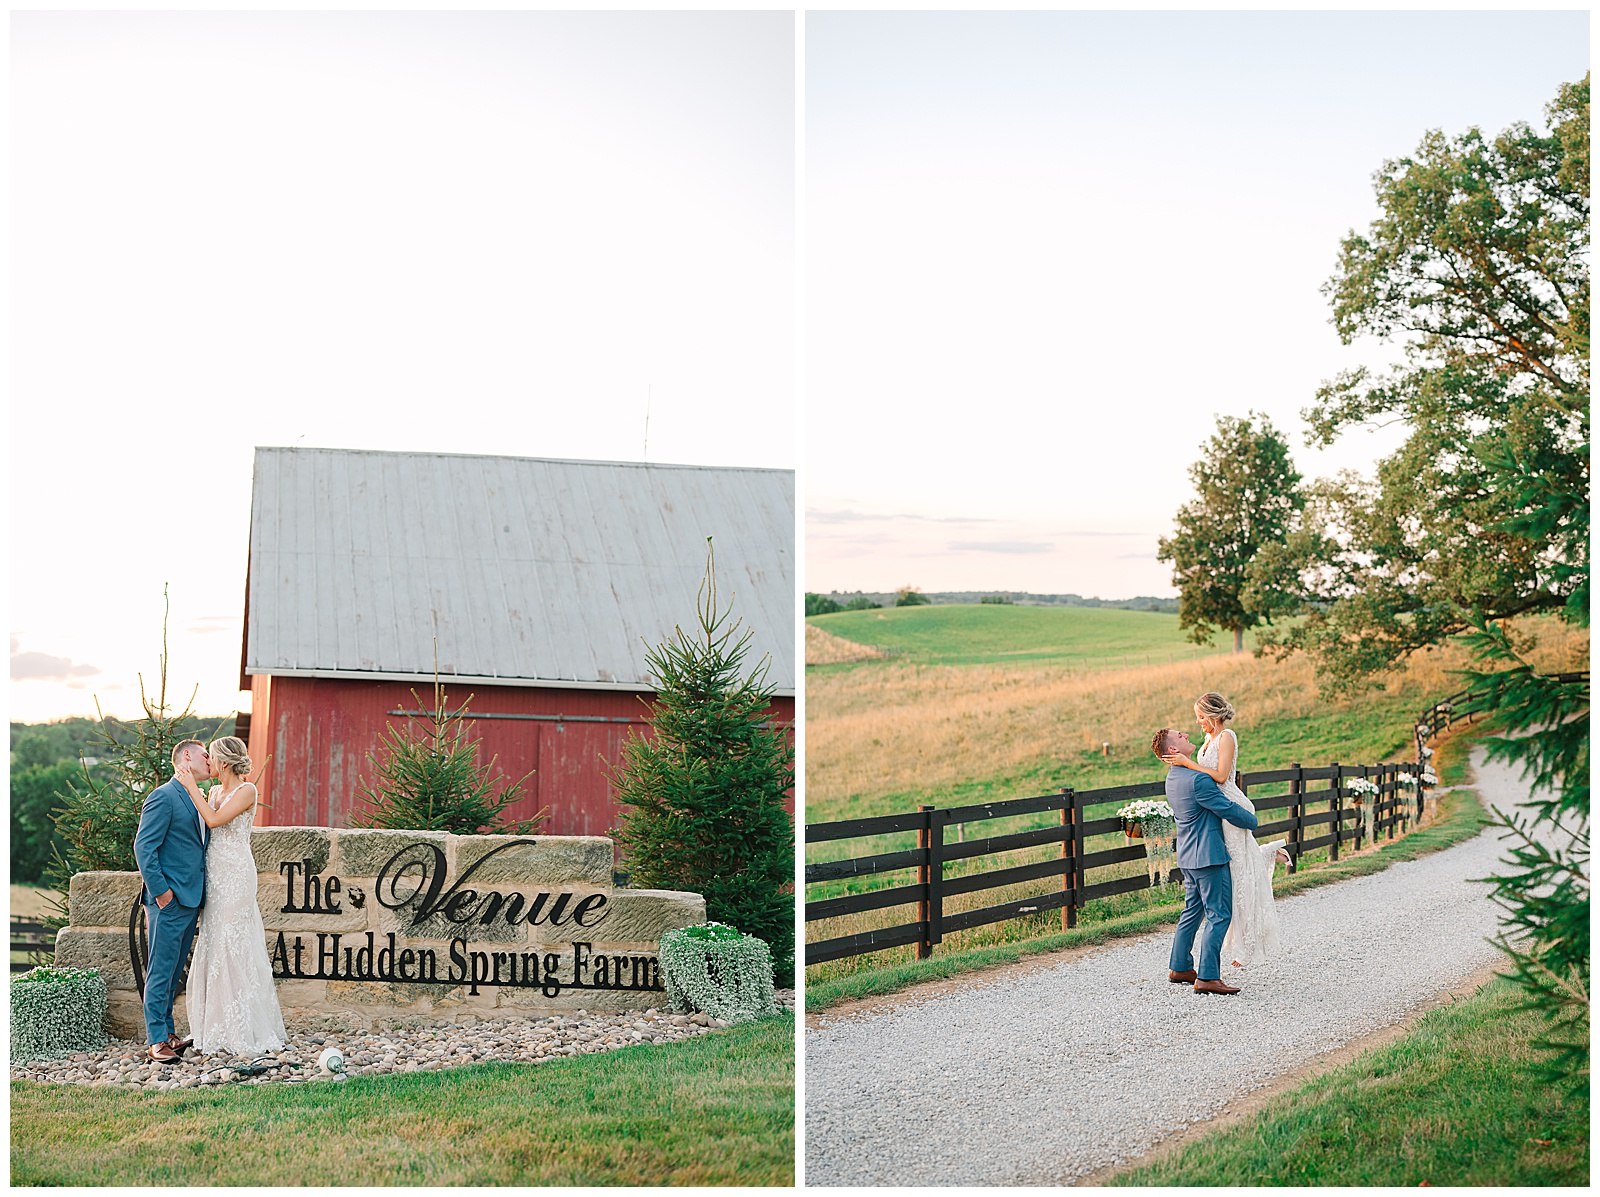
{"x":861,"y":603}
{"x":57,"y":1011}
{"x":715,"y":968}
{"x":910,"y":596}
{"x":998,"y":600}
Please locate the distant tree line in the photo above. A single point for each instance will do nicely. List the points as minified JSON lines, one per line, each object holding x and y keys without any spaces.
{"x":827,"y":604}
{"x":46,"y":758}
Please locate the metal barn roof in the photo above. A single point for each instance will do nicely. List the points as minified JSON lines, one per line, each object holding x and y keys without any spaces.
{"x":529,"y":570}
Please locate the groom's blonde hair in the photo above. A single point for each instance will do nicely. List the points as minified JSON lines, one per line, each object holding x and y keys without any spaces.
{"x":180,"y":746}
{"x":1158,"y":742}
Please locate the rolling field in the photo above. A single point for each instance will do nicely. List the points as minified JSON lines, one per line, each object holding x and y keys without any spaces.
{"x":884,"y":736}
{"x":983,"y":634}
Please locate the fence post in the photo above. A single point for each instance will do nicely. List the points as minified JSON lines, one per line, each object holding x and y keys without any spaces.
{"x":924,"y":874}
{"x":1075,"y":853}
{"x":1297,"y":787}
{"x":1067,"y":918}
{"x":1336,"y":806}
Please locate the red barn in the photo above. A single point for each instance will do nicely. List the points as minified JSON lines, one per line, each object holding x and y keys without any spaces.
{"x":543,"y":583}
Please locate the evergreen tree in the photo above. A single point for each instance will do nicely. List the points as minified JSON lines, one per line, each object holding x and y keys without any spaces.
{"x":99,"y":812}
{"x":1246,"y":495}
{"x":428,"y":779}
{"x":702,"y":797}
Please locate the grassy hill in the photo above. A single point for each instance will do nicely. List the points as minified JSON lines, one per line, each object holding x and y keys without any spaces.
{"x":989,"y":703}
{"x":981,"y":634}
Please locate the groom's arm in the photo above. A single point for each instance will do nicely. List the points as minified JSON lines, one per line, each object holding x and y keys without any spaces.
{"x":153,"y":823}
{"x":1209,"y":795}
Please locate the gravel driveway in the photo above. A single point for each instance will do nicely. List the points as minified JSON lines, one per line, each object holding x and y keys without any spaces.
{"x":1051,"y":1075}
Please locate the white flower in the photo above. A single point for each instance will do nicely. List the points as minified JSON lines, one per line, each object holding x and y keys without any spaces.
{"x":1361,"y":785}
{"x":1427,"y":752}
{"x":1145,"y":809}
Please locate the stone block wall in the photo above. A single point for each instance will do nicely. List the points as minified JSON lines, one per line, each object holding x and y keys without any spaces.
{"x":374,"y":929}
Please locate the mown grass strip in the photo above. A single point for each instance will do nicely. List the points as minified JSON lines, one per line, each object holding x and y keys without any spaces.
{"x":1460,"y":817}
{"x":1458,"y":1100}
{"x":715,"y":1110}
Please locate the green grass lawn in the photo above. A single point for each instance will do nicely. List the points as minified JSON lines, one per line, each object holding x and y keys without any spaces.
{"x":985,"y":634}
{"x":1458,"y":1100}
{"x":716,"y":1110}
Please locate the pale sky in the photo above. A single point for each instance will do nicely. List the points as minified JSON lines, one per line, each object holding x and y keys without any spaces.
{"x":471,"y":232}
{"x":1045,"y":250}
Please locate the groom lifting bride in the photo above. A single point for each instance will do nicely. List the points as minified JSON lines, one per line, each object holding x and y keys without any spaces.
{"x":1227,"y":874}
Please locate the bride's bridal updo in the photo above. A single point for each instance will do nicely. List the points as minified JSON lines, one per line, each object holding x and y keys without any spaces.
{"x":230,"y":753}
{"x":1214,"y":706}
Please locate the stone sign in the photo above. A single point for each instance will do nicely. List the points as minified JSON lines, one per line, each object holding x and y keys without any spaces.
{"x":374,"y":929}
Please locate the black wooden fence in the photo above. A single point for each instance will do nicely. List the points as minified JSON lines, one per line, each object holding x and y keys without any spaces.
{"x":33,"y":938}
{"x":1447,"y":712}
{"x":1340,"y":822}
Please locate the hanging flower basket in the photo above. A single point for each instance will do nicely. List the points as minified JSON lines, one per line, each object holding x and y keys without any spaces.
{"x":717,"y":969}
{"x":1135,"y":816}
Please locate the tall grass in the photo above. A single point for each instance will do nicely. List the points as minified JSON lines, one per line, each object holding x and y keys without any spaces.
{"x":885,"y":736}
{"x":824,"y":648}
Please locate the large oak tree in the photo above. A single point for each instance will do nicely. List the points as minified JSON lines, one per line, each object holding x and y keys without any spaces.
{"x":1246,"y":494}
{"x":1478,"y":266}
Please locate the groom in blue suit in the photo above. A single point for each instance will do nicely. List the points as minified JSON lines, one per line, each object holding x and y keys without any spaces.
{"x":171,"y":850}
{"x":1199,"y":806}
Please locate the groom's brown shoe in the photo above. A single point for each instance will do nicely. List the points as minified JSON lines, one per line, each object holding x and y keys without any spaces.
{"x":162,"y":1053}
{"x":179,"y":1045}
{"x":1213,"y":987}
{"x":1182,"y":978}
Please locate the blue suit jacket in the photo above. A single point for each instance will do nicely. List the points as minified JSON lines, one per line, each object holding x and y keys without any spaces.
{"x":171,"y":845}
{"x":1200,"y":806}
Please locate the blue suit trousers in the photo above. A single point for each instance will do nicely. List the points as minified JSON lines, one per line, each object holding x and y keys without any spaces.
{"x":171,"y":933}
{"x":1208,"y":896}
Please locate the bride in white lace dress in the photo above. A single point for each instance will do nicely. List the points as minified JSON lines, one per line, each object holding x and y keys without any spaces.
{"x":232,"y":1002}
{"x":1254,"y":933}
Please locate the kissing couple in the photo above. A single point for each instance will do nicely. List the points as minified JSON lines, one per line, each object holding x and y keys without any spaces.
{"x":1227,"y":876}
{"x":200,"y":890}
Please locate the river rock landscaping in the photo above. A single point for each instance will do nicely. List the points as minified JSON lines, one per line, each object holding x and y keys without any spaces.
{"x":123,"y":1064}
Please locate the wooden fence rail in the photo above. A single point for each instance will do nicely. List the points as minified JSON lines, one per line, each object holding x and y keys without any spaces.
{"x":1305,"y":829}
{"x":1447,"y":712}
{"x":34,"y":938}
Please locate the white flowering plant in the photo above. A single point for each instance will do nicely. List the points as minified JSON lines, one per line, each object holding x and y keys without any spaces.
{"x":1407,"y":781}
{"x":1429,"y":778}
{"x":1154,"y":818}
{"x":716,"y":968}
{"x":56,"y":1012}
{"x":1361,"y":786}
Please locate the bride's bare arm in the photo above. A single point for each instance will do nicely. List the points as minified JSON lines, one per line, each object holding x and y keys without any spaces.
{"x":1227,"y":750}
{"x":241,"y":800}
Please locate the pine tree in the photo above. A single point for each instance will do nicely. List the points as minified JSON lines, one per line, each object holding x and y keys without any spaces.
{"x":428,"y":779}
{"x":99,"y":814}
{"x":703,"y":797}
